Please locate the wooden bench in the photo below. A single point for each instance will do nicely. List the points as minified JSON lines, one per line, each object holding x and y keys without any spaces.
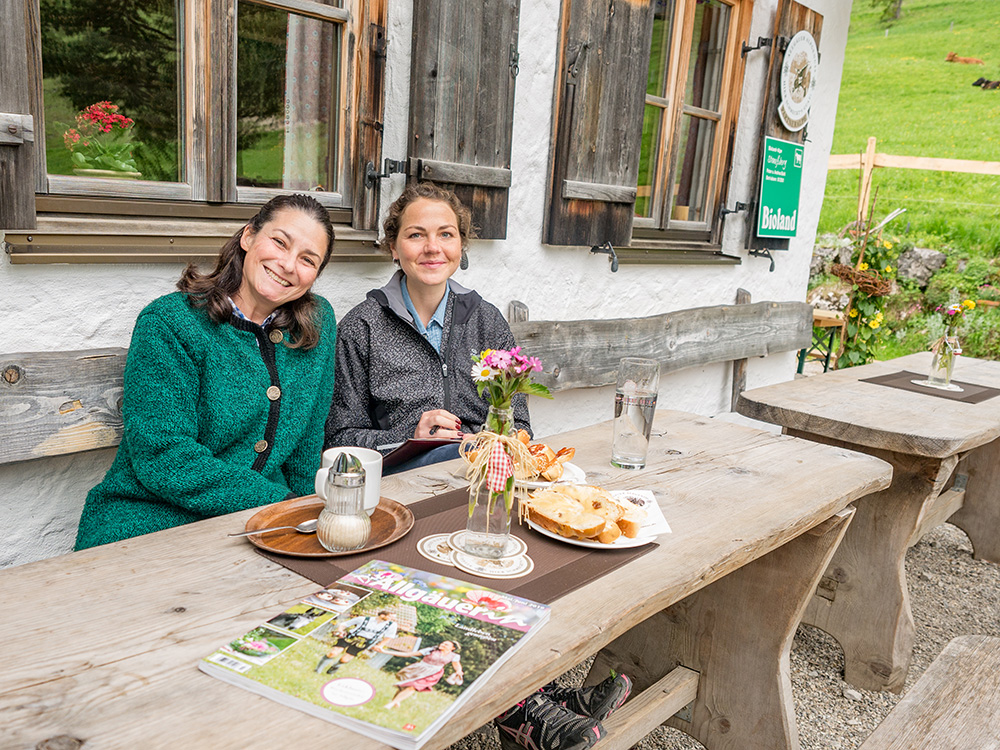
{"x":57,"y":403}
{"x":585,"y":353}
{"x":955,"y":705}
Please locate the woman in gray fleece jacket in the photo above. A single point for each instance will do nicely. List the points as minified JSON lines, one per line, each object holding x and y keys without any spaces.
{"x":404,"y":355}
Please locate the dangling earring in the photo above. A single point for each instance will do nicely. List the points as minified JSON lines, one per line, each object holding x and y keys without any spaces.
{"x":464,"y":262}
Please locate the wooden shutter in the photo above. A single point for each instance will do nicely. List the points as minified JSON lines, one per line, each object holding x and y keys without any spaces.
{"x":597,"y":122}
{"x":464,"y":61}
{"x":368,"y":94}
{"x":791,"y":17}
{"x":17,"y":135}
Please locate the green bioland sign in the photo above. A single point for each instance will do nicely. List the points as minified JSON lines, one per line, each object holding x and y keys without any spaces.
{"x":780,"y":184}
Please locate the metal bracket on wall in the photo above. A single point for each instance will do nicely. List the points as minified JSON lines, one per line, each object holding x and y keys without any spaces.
{"x":761,"y":42}
{"x":724,"y":212}
{"x":765,"y":253}
{"x":391,"y":167}
{"x":608,"y":248}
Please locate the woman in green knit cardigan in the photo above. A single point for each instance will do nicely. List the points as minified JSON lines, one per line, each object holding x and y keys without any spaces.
{"x":228,"y":383}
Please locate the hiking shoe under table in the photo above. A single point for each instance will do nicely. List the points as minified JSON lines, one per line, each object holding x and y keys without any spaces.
{"x":597,"y":701}
{"x":539,"y":723}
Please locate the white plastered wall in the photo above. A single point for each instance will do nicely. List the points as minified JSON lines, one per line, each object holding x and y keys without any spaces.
{"x":66,"y":307}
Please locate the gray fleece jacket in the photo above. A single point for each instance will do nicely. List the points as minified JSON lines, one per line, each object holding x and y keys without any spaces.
{"x":387,"y":374}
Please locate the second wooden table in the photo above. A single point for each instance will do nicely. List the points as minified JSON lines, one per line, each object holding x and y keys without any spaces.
{"x":946,"y":466}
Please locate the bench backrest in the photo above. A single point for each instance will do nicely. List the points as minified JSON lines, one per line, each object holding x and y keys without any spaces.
{"x":585,"y":353}
{"x":55,"y":403}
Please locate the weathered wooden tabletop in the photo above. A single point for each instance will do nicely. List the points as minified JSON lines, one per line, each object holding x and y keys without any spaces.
{"x":102,"y":645}
{"x":945,"y":456}
{"x":837,"y":404}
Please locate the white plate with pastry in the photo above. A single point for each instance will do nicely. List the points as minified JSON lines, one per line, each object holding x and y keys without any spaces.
{"x":571,"y":474}
{"x":622,"y":542}
{"x":588,"y":516}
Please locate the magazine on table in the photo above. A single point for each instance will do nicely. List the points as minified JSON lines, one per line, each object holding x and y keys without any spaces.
{"x":387,"y":651}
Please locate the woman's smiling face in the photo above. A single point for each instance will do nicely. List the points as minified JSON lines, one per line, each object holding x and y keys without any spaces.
{"x":281,"y":263}
{"x":429,"y":246}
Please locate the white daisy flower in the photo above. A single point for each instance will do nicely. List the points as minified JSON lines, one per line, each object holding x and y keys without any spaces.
{"x":482,"y":372}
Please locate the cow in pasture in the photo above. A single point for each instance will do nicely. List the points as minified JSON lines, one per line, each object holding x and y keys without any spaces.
{"x":952,"y":57}
{"x":986,"y":84}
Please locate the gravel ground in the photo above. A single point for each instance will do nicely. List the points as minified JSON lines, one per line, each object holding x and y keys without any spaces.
{"x":950,"y":595}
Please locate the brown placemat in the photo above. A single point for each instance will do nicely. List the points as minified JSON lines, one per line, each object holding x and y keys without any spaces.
{"x":559,"y":567}
{"x":970,"y":393}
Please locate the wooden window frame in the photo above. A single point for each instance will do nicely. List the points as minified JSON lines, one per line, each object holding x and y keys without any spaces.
{"x":661,"y":231}
{"x":208,"y":95}
{"x":208,"y":201}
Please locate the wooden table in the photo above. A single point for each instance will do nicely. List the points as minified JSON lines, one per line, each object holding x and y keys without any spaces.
{"x":102,"y":644}
{"x":946,"y":466}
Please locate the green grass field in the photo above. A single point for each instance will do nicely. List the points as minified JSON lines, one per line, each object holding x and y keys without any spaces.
{"x":897,"y":87}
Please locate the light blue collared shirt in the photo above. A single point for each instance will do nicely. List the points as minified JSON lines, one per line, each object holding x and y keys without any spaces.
{"x":239,"y":314}
{"x":433,"y":331}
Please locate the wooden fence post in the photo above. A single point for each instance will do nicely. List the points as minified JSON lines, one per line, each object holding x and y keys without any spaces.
{"x":865,"y":188}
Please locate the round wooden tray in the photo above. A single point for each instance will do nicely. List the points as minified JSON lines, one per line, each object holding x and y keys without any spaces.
{"x":390,"y":521}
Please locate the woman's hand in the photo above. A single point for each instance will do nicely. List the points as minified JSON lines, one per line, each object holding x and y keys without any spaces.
{"x":438,"y":423}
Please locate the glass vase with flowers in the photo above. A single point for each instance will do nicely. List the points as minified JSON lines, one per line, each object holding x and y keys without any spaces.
{"x":496,"y":457}
{"x":946,"y":347}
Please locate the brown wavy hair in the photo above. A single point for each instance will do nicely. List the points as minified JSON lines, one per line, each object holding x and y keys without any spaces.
{"x":213,"y":290}
{"x":431,"y":191}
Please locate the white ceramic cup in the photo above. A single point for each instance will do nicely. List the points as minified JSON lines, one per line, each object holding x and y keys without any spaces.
{"x":371,"y":462}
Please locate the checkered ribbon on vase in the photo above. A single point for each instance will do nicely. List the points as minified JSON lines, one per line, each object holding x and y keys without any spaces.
{"x":499,"y":468}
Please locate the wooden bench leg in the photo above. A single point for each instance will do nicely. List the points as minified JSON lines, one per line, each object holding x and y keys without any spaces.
{"x":980,"y":516}
{"x":737,"y":634}
{"x":862,"y":600}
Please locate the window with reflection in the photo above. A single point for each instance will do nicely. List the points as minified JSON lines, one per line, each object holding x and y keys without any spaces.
{"x":111,"y":88}
{"x":688,"y":110}
{"x":199,"y":100}
{"x":286,"y":91}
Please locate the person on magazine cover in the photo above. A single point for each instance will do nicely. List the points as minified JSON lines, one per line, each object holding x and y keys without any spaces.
{"x":228,"y":383}
{"x":336,"y":599}
{"x":423,"y":675}
{"x":404,"y":367}
{"x":356,"y":635}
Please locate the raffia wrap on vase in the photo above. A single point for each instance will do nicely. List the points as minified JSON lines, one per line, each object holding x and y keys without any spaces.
{"x":492,"y":459}
{"x":495,"y":461}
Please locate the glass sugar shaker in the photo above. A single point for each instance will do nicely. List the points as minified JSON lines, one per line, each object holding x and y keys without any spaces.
{"x":343,"y":523}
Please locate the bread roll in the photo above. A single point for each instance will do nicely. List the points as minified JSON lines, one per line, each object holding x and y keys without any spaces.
{"x":631,"y":520}
{"x":564,"y":516}
{"x":552,"y":472}
{"x":610,"y":533}
{"x":579,"y":511}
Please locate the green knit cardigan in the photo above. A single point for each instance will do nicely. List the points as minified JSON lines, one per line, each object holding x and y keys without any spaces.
{"x":217,"y":417}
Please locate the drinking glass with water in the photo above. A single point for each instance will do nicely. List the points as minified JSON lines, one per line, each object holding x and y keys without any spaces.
{"x":635,"y":403}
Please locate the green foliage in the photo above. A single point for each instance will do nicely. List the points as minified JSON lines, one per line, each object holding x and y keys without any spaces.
{"x":950,"y":282}
{"x":897,"y":87}
{"x":891,"y":10}
{"x":260,"y":63}
{"x":980,"y":334}
{"x":865,"y":317}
